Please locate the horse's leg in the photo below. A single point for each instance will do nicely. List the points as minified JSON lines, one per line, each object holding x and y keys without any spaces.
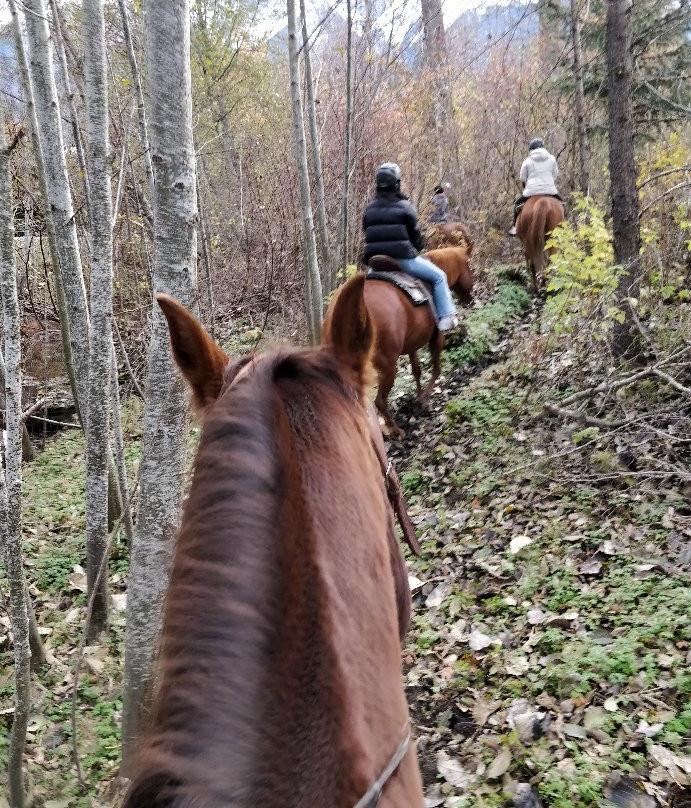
{"x":417,"y":370}
{"x":435,"y":346}
{"x":387,"y":376}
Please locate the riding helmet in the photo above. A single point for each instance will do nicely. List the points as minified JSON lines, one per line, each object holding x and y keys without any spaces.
{"x":537,"y":143}
{"x":388,"y":176}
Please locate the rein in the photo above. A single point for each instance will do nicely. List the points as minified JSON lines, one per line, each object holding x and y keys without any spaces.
{"x":392,"y":483}
{"x":371,"y":798}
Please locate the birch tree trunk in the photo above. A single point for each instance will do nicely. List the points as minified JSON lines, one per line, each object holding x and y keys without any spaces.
{"x":41,"y":171}
{"x":316,"y":151}
{"x":313,"y":286}
{"x":138,"y":94}
{"x":74,"y":119}
{"x":342,"y":239}
{"x":11,"y":482}
{"x":162,"y":467}
{"x":69,"y":265}
{"x":101,"y":339}
{"x":579,"y":105}
{"x":436,"y":55}
{"x":622,"y":172}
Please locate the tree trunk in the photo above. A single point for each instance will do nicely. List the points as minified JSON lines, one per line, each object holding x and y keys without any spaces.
{"x":436,"y":54}
{"x":11,"y":482}
{"x":579,"y":105}
{"x":74,"y":120}
{"x":69,"y":265}
{"x":313,"y":286}
{"x":101,"y":228}
{"x":138,"y":95}
{"x":315,"y":151}
{"x":41,"y":171}
{"x":162,"y":467}
{"x":622,"y":171}
{"x":342,"y":240}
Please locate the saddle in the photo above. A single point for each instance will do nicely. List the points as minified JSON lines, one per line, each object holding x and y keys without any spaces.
{"x":383,"y":268}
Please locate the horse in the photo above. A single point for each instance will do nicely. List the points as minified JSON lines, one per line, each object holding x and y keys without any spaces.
{"x":538,"y":217}
{"x":279,"y":670}
{"x":449,"y":234}
{"x":402,"y":328}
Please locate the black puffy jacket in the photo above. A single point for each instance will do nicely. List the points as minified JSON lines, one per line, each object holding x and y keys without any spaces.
{"x":391,"y":227}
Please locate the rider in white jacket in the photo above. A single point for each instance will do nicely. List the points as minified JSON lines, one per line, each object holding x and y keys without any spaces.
{"x":538,"y":173}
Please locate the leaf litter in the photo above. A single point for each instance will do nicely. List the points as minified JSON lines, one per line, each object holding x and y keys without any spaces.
{"x":544,"y":664}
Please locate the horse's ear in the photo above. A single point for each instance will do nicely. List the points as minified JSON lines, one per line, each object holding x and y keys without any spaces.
{"x":201,"y":361}
{"x":349,"y":332}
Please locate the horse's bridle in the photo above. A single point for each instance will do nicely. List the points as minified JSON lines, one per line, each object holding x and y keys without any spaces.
{"x":371,"y":798}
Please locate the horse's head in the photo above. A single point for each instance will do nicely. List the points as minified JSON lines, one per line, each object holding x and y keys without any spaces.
{"x":280,"y":639}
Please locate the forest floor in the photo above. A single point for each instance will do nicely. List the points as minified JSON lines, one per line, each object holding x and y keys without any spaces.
{"x":550,"y":653}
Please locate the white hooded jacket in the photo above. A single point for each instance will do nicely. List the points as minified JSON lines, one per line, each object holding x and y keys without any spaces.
{"x":538,"y":172}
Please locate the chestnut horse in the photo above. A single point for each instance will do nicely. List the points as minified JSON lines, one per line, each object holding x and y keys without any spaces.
{"x":538,"y":217}
{"x":279,"y":671}
{"x":402,"y":328}
{"x":449,"y":234}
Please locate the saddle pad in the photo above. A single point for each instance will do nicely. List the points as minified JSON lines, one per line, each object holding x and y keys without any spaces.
{"x":415,"y":290}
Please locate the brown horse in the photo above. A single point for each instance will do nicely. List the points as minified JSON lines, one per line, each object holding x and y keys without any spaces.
{"x":402,"y":328}
{"x":538,"y":217}
{"x":449,"y":234}
{"x":279,"y":672}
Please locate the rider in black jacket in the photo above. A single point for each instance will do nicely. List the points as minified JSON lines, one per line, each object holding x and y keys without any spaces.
{"x":391,"y":228}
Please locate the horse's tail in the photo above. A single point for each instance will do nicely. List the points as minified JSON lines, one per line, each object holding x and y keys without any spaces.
{"x":536,"y":236}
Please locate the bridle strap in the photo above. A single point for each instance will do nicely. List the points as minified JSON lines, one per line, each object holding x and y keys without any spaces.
{"x":371,"y":798}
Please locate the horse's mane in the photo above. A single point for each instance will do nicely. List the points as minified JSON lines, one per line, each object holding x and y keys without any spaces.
{"x":228,"y":583}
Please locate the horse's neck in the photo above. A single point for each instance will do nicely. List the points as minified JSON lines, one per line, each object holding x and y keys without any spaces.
{"x":348,"y":703}
{"x":280,"y":662}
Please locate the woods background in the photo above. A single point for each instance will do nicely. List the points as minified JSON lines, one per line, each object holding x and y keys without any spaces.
{"x":224,"y":153}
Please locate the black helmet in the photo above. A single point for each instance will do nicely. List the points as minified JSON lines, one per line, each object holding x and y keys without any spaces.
{"x":388,"y":176}
{"x":537,"y":143}
{"x":439,"y":189}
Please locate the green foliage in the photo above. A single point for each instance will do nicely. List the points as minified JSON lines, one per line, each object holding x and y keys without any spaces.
{"x":481,"y":407}
{"x":581,"y":271}
{"x":485,"y":323}
{"x":411,"y":481}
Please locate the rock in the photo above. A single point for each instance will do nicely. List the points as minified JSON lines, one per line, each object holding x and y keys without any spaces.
{"x":525,"y":797}
{"x":518,"y":543}
{"x":477,"y":640}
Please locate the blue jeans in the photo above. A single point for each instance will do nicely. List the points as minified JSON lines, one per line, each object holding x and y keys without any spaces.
{"x":425,"y":270}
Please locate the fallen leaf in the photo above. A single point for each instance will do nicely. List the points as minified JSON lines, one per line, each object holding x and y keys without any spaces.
{"x":574,"y":731}
{"x":500,"y":765}
{"x":437,"y":595}
{"x":592,"y":567}
{"x":452,"y":770}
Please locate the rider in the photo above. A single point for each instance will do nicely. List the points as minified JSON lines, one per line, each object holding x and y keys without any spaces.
{"x":440,"y":207}
{"x":538,"y":173}
{"x":391,"y":228}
